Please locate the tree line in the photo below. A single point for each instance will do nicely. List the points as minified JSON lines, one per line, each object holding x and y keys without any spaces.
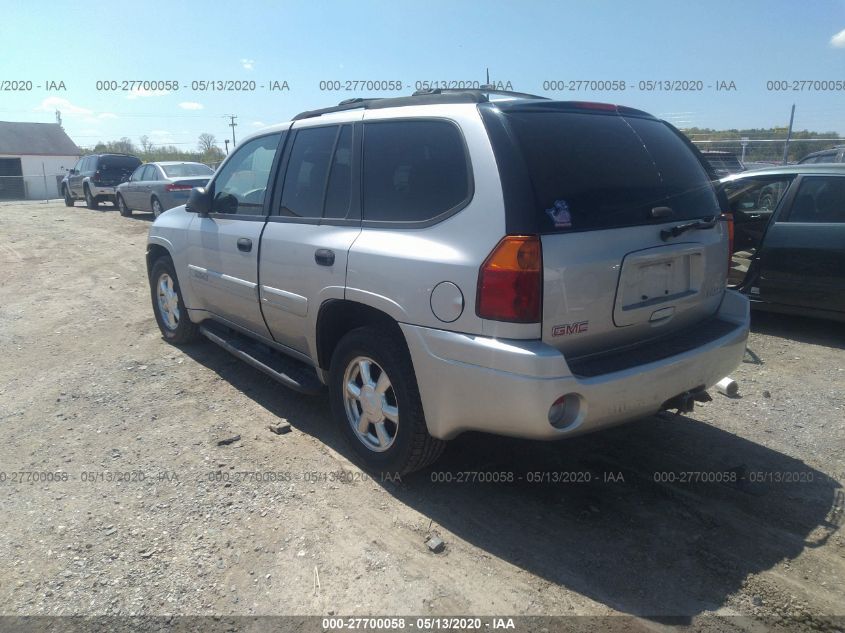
{"x":730,"y":140}
{"x":206,"y":152}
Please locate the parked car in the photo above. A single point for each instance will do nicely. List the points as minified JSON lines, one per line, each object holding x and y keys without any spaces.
{"x":445,"y":262}
{"x":790,"y":237}
{"x":832,"y":155}
{"x":95,"y":177}
{"x":723,"y":163}
{"x":157,"y":187}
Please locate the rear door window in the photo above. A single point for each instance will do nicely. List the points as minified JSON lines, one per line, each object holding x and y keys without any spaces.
{"x":819,"y":199}
{"x":339,"y":190}
{"x":594,"y":171}
{"x":414,"y":171}
{"x":307,"y":172}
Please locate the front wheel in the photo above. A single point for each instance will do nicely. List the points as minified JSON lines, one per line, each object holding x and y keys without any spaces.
{"x":376,"y":401}
{"x":168,"y":305}
{"x":125,"y":211}
{"x":68,"y":199}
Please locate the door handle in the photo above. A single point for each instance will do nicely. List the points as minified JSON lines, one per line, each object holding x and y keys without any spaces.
{"x":244,"y":244}
{"x":324,"y":257}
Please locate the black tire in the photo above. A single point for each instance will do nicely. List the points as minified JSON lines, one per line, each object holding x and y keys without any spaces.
{"x":412,"y":447}
{"x":185,"y":330}
{"x":91,"y":201}
{"x":121,"y":205}
{"x":68,"y":199}
{"x":156,"y":207}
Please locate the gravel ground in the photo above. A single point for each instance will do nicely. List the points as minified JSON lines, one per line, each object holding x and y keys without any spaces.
{"x":147,"y":514}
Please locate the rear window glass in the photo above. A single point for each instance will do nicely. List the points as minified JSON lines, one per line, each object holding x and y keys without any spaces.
{"x":594,"y":171}
{"x":413,"y":170}
{"x":118,"y":163}
{"x":184,"y":170}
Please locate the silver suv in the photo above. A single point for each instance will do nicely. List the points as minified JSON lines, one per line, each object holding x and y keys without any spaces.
{"x":456,"y":261}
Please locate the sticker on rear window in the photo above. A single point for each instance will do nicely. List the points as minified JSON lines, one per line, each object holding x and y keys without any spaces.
{"x":559,"y":214}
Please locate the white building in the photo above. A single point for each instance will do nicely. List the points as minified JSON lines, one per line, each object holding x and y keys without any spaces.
{"x":34,"y":158}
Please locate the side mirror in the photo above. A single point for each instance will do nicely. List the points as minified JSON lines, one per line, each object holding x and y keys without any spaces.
{"x":72,"y":171}
{"x":199,"y":201}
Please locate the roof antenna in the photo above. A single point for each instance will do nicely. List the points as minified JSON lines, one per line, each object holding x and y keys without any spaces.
{"x":487,"y":83}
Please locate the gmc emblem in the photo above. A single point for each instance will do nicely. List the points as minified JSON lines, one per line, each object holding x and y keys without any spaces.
{"x":570,"y":328}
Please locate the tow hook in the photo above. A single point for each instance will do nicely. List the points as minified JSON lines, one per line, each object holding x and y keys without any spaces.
{"x":685,"y":402}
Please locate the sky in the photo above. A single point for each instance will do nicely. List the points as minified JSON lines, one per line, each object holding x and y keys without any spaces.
{"x":526,"y":43}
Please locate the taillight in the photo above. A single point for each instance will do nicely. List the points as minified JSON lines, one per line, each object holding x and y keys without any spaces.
{"x":728,"y":219}
{"x":178,"y":187}
{"x":510,"y":281}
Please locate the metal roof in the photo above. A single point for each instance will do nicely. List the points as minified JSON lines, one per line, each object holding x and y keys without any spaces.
{"x":46,"y":139}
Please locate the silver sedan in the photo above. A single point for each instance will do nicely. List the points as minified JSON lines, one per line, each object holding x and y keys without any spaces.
{"x":160,"y":186}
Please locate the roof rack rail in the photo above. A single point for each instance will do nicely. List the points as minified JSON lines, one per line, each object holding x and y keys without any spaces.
{"x":483,"y":90}
{"x":420,"y":97}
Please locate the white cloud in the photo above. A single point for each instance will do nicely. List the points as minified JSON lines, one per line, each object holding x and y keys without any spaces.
{"x":191,"y":105}
{"x":259,"y":124}
{"x":58,"y":103}
{"x":838,"y":40}
{"x":136,"y":93}
{"x":248,"y":64}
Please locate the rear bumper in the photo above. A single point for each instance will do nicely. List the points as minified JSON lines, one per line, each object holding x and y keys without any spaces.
{"x":102,"y":190}
{"x":475,"y":383}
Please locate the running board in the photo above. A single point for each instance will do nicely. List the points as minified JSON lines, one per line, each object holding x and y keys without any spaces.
{"x":291,"y":373}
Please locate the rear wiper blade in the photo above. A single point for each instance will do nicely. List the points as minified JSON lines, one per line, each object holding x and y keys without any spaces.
{"x":675,"y":231}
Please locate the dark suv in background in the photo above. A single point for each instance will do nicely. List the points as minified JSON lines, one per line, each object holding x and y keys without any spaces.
{"x":832,"y":155}
{"x":95,"y":177}
{"x":723,"y":163}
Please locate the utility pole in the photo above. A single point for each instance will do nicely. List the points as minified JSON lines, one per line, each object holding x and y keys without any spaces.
{"x":59,"y":117}
{"x":788,"y":135}
{"x":226,"y":143}
{"x":232,"y":125}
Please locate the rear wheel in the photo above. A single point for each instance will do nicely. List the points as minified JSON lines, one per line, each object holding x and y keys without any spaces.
{"x":168,"y":305}
{"x":156,"y":206}
{"x":376,"y":401}
{"x":68,"y":199}
{"x":125,"y":211}
{"x":91,"y":201}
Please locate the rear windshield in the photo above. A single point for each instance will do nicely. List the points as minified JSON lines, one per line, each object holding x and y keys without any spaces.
{"x":185,"y":170}
{"x":592,"y":171}
{"x":118,"y":163}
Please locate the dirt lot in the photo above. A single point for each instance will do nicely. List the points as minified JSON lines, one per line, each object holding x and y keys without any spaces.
{"x":89,"y":390}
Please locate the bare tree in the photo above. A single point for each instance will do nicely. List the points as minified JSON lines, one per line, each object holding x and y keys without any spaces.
{"x":146,"y":144}
{"x":123,"y":146}
{"x":207,"y":143}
